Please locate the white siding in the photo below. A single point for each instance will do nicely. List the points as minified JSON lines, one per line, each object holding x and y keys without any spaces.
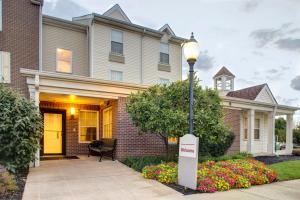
{"x":132,"y":46}
{"x":264,"y":96}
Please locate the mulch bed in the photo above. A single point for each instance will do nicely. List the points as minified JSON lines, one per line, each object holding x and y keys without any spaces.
{"x":18,"y":194}
{"x":269,"y":160}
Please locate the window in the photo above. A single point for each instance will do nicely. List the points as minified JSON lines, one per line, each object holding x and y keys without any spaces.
{"x":164,"y":53}
{"x":63,"y":60}
{"x":245,"y":128}
{"x":116,"y":75}
{"x":0,"y":15}
{"x":172,"y":140}
{"x":164,"y":81}
{"x":107,"y":123}
{"x":116,"y":42}
{"x":257,"y":129}
{"x":4,"y":67}
{"x":88,"y":125}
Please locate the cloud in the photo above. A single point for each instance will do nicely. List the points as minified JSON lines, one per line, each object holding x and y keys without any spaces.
{"x":287,"y":101}
{"x":272,"y":71}
{"x":63,"y":9}
{"x":295,"y":83}
{"x":288,"y":44}
{"x":250,"y":5}
{"x":245,"y":82}
{"x":266,"y":36}
{"x":205,"y":61}
{"x":257,"y":53}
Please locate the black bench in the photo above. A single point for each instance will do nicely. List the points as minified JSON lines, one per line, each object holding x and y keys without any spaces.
{"x":103,"y":147}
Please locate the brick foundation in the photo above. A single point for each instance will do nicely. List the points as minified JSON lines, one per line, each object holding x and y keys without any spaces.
{"x":232,"y":119}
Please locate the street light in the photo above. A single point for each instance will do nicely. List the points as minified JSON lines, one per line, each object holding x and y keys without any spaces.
{"x":191,"y":53}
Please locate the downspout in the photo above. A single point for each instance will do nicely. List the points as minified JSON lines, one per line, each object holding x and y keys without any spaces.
{"x":91,"y":56}
{"x":141,"y":70}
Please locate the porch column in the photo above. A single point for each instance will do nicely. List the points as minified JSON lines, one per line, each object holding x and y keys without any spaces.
{"x":35,"y":97}
{"x":289,"y":133}
{"x":271,"y":133}
{"x":251,"y":121}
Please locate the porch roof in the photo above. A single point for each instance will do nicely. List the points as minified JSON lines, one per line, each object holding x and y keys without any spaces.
{"x":52,"y":82}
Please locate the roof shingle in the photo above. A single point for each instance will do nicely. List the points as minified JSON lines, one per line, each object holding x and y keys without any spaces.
{"x":224,"y":71}
{"x":249,"y":93}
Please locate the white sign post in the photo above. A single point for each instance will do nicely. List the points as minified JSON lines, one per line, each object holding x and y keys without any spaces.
{"x":188,"y":161}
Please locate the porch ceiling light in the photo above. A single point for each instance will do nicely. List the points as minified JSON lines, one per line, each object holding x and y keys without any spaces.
{"x":72,"y":111}
{"x":191,"y":49}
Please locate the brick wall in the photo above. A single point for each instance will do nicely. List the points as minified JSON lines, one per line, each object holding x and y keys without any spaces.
{"x":130,"y":142}
{"x":73,"y":147}
{"x":20,"y":37}
{"x":232,"y":119}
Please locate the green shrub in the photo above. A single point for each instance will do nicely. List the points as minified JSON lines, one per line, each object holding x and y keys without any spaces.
{"x":296,"y":135}
{"x":241,"y":155}
{"x":7,"y":183}
{"x":20,"y":130}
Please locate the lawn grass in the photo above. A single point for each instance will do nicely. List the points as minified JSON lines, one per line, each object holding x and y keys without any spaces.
{"x":288,"y":170}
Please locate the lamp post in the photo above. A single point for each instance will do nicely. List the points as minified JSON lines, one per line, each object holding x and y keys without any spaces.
{"x":191,"y":53}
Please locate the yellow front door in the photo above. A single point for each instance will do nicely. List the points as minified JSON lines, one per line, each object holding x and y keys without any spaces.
{"x":107,"y":123}
{"x":52,"y":133}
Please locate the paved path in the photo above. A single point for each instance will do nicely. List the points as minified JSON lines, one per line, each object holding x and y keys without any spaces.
{"x":86,"y":178}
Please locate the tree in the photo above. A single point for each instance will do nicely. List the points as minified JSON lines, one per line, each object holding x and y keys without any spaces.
{"x":163,"y":110}
{"x":280,"y":129}
{"x":296,"y":135}
{"x":20,"y":130}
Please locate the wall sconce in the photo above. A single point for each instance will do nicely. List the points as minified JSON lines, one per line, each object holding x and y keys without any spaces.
{"x":72,"y":111}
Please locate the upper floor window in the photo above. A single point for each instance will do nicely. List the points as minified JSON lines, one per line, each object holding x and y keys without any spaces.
{"x":164,"y":53}
{"x":63,"y":60}
{"x":164,"y":81}
{"x":116,"y":75}
{"x":257,"y":129}
{"x":117,"y":42}
{"x":0,"y":15}
{"x":88,"y":125}
{"x":4,"y":67}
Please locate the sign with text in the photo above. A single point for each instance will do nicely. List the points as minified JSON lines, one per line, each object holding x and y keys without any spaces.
{"x":188,"y":161}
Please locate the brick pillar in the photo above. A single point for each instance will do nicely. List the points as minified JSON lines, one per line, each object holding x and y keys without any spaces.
{"x":232,"y":119}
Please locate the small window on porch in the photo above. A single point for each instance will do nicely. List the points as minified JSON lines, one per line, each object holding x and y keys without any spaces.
{"x":172,"y":140}
{"x":107,"y":123}
{"x":88,"y":125}
{"x":257,"y":129}
{"x":245,"y":128}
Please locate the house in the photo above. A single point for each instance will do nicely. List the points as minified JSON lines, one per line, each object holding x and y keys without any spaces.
{"x":251,"y":112}
{"x":80,"y":73}
{"x":88,"y":67}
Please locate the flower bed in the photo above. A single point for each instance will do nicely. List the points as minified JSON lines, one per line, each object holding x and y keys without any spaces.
{"x":217,"y":176}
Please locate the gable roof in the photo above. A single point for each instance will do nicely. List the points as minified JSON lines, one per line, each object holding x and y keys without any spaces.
{"x":166,"y":28}
{"x":224,"y":71}
{"x":117,"y":8}
{"x":249,"y":93}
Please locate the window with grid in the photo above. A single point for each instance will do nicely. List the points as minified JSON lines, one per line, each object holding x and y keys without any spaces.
{"x":88,"y":125}
{"x":245,"y":128}
{"x":107,"y":123}
{"x":164,"y":53}
{"x":257,"y":129}
{"x":4,"y":67}
{"x":164,"y":81}
{"x":116,"y":75}
{"x":116,"y":42}
{"x":63,"y":60}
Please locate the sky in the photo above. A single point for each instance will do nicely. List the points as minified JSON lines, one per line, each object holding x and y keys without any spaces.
{"x":257,"y":40}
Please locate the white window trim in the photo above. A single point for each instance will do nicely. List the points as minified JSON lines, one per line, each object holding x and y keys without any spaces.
{"x":164,"y":79}
{"x":97,"y":132}
{"x":243,"y":133}
{"x":105,"y":109}
{"x":1,"y":15}
{"x":71,"y":61}
{"x":114,"y":53}
{"x":4,"y":79}
{"x":260,"y":128}
{"x":164,"y":53}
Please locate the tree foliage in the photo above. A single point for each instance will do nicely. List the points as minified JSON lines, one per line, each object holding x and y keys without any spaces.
{"x":20,"y":129}
{"x":163,"y":110}
{"x":280,"y":129}
{"x":296,"y":135}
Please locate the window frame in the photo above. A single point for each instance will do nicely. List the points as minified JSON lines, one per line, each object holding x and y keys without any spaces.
{"x":161,"y":81}
{"x":111,"y":71}
{"x":245,"y":121}
{"x":259,"y":129}
{"x":71,"y":67}
{"x":97,"y":128}
{"x":105,"y":109}
{"x":4,"y":79}
{"x":111,"y":42}
{"x":160,"y":53}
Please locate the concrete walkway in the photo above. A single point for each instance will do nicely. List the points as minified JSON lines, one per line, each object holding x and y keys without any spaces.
{"x":86,"y":178}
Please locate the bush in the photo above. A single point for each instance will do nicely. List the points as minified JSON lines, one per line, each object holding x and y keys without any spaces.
{"x":296,"y":152}
{"x":217,"y":176}
{"x":7,"y":183}
{"x":20,"y":130}
{"x":138,"y":163}
{"x":240,"y":155}
{"x":296,"y":135}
